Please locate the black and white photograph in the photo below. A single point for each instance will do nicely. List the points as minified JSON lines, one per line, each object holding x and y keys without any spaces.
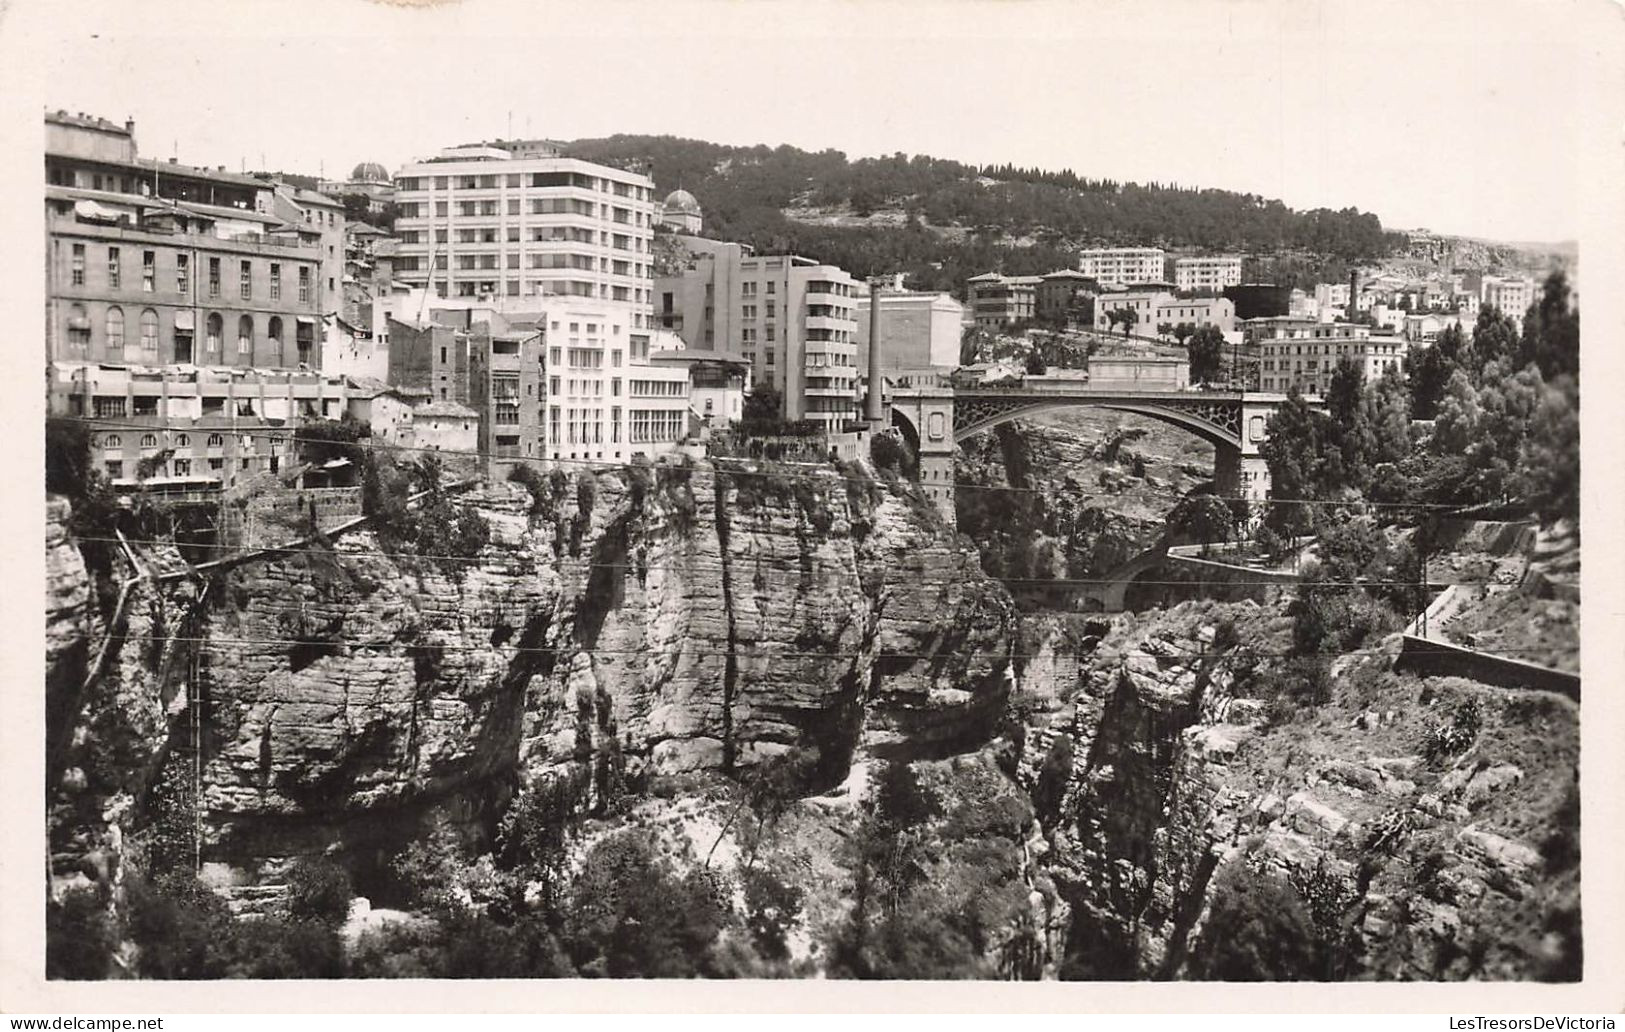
{"x":1012,"y":492}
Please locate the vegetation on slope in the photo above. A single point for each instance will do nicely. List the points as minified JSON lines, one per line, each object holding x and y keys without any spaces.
{"x":745,"y":192}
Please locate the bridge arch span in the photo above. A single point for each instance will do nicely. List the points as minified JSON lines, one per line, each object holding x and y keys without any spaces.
{"x":1192,"y":423}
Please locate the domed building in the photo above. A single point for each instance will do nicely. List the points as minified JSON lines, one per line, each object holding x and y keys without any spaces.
{"x":369,"y":172}
{"x":369,"y":179}
{"x":681,"y":212}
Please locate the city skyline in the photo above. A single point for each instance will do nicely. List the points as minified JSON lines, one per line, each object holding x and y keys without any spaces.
{"x":1293,"y":105}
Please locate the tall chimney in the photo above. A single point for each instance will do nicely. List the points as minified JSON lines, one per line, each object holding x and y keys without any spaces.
{"x":876,"y":381}
{"x":1354,"y":294}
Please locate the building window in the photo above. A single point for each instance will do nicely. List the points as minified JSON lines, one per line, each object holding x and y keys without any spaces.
{"x":304,"y":284}
{"x":273,"y":333}
{"x":149,"y":333}
{"x":182,"y":277}
{"x":149,"y":271}
{"x":245,"y":280}
{"x":214,"y":277}
{"x":183,"y":467}
{"x":214,"y":328}
{"x":245,"y":334}
{"x":78,"y":328}
{"x":216,"y":441}
{"x":115,"y":468}
{"x":78,"y":275}
{"x":276,"y":281}
{"x":115,"y":331}
{"x":112,"y":268}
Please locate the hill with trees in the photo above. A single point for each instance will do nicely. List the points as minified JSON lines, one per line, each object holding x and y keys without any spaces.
{"x":953,"y":220}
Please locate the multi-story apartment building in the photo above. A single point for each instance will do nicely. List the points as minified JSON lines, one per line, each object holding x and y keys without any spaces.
{"x":605,"y":401}
{"x":1060,"y":293}
{"x":798,"y":328}
{"x":1304,"y":355}
{"x":1123,"y":266}
{"x":322,"y":217}
{"x":1209,"y":273}
{"x":792,"y":318}
{"x":489,"y":222}
{"x":918,"y":330}
{"x":1153,"y":308}
{"x":181,"y":318}
{"x":1512,"y":295}
{"x":563,"y":379}
{"x":997,"y":301}
{"x":701,"y":303}
{"x":507,"y":386}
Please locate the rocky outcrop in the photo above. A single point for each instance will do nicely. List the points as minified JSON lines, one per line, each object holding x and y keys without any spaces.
{"x":685,"y":618}
{"x":1162,"y":768}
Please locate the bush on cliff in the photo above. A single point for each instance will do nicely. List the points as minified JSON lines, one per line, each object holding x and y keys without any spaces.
{"x":79,"y":936}
{"x":632,"y":916}
{"x":1257,"y":931}
{"x":319,"y":890}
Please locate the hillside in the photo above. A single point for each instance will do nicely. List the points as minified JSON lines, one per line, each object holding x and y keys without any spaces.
{"x":942,"y":221}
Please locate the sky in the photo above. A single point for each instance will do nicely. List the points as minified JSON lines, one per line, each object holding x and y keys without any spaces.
{"x":1463,"y":118}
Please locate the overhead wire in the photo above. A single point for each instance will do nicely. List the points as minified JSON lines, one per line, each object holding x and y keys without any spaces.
{"x":230,"y":552}
{"x":778,"y":473}
{"x":214,"y":643}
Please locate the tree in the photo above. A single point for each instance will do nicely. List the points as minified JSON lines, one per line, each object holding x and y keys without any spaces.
{"x":763,"y":410}
{"x":1495,"y":339}
{"x":1201,"y":519}
{"x":1184,"y":330}
{"x":1551,"y":472}
{"x":1206,"y":350}
{"x":1292,"y":447}
{"x":1428,"y":370}
{"x":1479,"y":435}
{"x":1551,"y":331}
{"x":1128,"y":317}
{"x":1035,"y":362}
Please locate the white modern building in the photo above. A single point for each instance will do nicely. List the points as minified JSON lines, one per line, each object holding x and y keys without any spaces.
{"x":1512,"y":295}
{"x":489,"y":222}
{"x":1213,"y":273}
{"x":605,"y":401}
{"x":1123,"y":266}
{"x":1153,"y":308}
{"x":918,"y":330}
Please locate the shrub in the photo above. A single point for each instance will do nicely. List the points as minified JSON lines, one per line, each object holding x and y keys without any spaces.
{"x":1442,"y":740}
{"x":890,"y":452}
{"x":79,"y":936}
{"x":318,"y":889}
{"x":771,"y":909}
{"x":633,"y":916}
{"x":1257,"y":931}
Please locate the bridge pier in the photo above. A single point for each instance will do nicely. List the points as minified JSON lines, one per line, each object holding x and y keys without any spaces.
{"x":1239,"y":475}
{"x":929,"y":412}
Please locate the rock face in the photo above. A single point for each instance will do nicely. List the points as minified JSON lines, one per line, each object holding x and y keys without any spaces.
{"x":689,"y":619}
{"x":1158,"y":770}
{"x":699,"y":619}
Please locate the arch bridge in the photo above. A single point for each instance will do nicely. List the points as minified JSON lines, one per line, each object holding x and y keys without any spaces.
{"x":938,"y":416}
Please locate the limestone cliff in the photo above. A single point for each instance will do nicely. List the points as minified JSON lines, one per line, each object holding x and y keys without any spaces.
{"x":681,"y":618}
{"x":1090,"y":780}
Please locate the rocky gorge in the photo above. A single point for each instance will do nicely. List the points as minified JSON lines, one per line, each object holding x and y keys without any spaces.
{"x":802,"y":672}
